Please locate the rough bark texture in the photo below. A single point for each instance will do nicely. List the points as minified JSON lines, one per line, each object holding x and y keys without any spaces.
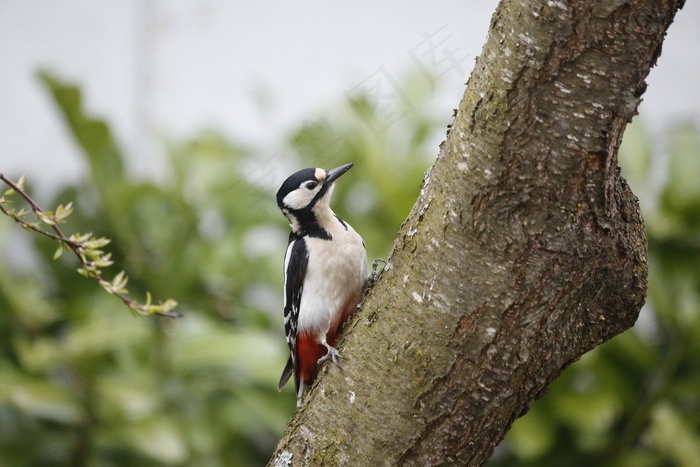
{"x":524,"y":250}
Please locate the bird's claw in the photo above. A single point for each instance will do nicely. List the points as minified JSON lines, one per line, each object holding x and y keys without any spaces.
{"x":333,"y":355}
{"x":374,"y":274}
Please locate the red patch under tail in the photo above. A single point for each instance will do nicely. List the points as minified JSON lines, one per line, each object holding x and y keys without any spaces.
{"x":309,"y":351}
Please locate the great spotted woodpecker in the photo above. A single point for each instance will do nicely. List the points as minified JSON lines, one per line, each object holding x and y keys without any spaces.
{"x":325,"y":267}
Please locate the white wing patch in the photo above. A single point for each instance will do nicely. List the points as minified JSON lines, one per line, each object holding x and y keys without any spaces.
{"x":287,"y":255}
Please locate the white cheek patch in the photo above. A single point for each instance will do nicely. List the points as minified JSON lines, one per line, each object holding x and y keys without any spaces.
{"x":301,"y":197}
{"x":298,"y":198}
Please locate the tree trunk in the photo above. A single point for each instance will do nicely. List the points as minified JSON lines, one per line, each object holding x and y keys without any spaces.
{"x":524,"y":250}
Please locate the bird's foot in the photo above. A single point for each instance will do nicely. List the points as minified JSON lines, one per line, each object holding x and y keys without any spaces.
{"x":374,"y":274}
{"x":332,"y":354}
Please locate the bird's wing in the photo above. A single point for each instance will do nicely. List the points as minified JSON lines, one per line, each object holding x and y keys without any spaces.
{"x":296,"y":259}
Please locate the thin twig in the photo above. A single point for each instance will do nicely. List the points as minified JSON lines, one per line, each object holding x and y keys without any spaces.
{"x":77,"y":248}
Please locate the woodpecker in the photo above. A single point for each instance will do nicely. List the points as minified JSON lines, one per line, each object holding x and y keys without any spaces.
{"x":325,"y":267}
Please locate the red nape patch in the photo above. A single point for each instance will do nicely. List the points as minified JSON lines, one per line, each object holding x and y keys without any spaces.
{"x":308,"y":353}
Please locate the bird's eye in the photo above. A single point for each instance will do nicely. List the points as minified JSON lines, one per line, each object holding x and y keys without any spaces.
{"x":311,"y":185}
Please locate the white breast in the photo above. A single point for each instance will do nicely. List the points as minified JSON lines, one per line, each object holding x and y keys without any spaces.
{"x":337,"y":270}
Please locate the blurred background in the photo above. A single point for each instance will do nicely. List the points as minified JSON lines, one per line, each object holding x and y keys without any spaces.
{"x":171,"y":125}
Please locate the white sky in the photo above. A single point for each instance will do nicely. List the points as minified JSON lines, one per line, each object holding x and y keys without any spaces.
{"x":157,"y":68}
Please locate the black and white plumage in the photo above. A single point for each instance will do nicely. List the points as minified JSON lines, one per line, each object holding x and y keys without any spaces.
{"x":325,"y":267}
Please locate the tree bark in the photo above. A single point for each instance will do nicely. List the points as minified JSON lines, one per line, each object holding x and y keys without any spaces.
{"x":525,"y":249}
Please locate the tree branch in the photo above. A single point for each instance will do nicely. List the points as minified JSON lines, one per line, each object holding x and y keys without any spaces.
{"x":524,"y":250}
{"x":83,"y":246}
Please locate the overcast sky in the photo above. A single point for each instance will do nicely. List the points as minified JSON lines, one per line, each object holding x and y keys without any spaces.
{"x":252,"y":70}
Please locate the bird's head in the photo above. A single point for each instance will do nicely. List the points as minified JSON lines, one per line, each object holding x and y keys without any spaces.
{"x":306,"y":194}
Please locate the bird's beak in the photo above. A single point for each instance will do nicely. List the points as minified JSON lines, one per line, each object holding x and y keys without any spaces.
{"x":334,"y":174}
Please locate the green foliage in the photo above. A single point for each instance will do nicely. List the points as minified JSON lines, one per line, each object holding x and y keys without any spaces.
{"x":83,"y":382}
{"x":635,"y":401}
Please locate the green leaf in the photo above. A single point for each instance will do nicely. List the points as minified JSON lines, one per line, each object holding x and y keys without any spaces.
{"x":80,"y":238}
{"x":531,"y":436}
{"x":95,"y":243}
{"x":59,"y":252}
{"x":47,"y":401}
{"x":104,"y":332}
{"x":103,"y":261}
{"x":159,"y":439}
{"x":92,"y":134}
{"x":200,"y":346}
{"x":132,"y":396}
{"x":62,"y":212}
{"x":681,"y":195}
{"x":47,"y":217}
{"x":674,"y":436}
{"x":119,"y":282}
{"x":85,"y":272}
{"x":21,"y":182}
